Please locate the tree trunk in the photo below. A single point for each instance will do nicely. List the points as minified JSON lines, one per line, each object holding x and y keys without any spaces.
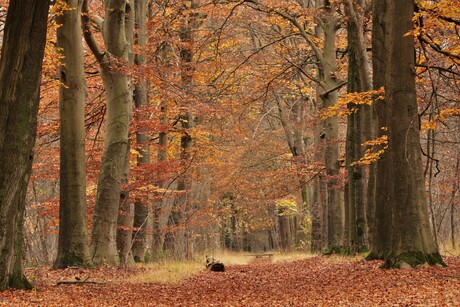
{"x":141,"y":208}
{"x":23,"y":46}
{"x":381,"y":229}
{"x":158,"y":239}
{"x":182,"y":203}
{"x":331,"y":151}
{"x":125,"y":216}
{"x":358,"y":81}
{"x":73,"y":245}
{"x":318,"y":204}
{"x":126,"y":208}
{"x":452,"y":203}
{"x":116,"y":38}
{"x":412,"y":241}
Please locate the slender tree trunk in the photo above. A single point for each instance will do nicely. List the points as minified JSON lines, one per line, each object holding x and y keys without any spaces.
{"x":431,"y":135}
{"x":73,"y":245}
{"x":412,"y":240}
{"x":294,"y":126}
{"x":126,"y":207}
{"x":22,"y":53}
{"x":183,"y":202}
{"x":141,"y":208}
{"x":331,"y":152}
{"x":358,"y":128}
{"x":318,"y":201}
{"x":381,"y":229}
{"x":177,"y":240}
{"x":452,"y":203}
{"x":158,"y":207}
{"x":125,"y":216}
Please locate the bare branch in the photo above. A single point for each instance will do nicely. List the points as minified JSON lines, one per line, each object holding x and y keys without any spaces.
{"x":338,"y":86}
{"x":88,"y":35}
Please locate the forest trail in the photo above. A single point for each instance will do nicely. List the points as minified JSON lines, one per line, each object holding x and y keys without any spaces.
{"x":317,"y":281}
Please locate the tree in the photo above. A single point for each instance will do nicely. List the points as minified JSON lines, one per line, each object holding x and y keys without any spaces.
{"x":327,"y":74}
{"x":180,"y":240}
{"x":358,"y":125}
{"x":72,"y":247}
{"x":115,"y":29}
{"x":381,"y":229}
{"x":141,"y":208}
{"x":20,"y":69}
{"x":412,"y":241}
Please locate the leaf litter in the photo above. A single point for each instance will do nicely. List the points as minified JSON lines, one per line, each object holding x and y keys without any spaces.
{"x":316,"y":281}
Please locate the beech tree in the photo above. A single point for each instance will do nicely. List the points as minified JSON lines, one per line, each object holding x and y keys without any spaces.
{"x":115,"y":30}
{"x":358,"y":128}
{"x":141,"y":208}
{"x":241,"y":109}
{"x":412,"y":241}
{"x":73,"y":246}
{"x":380,"y":232}
{"x":23,"y":47}
{"x":180,"y":239}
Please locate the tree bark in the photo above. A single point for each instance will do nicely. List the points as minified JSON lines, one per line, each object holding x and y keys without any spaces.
{"x":125,"y":216}
{"x":141,"y":208}
{"x":381,"y":230}
{"x":158,"y":239}
{"x":357,"y":128}
{"x":115,"y":29}
{"x":24,"y":39}
{"x":412,"y":241}
{"x":331,"y":151}
{"x":72,"y":246}
{"x":126,"y":208}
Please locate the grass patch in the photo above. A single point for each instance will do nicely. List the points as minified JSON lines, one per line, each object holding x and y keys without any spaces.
{"x":174,"y":271}
{"x":242,"y":258}
{"x":446,"y":249}
{"x":167,"y":272}
{"x":290,"y":257}
{"x":232,"y":258}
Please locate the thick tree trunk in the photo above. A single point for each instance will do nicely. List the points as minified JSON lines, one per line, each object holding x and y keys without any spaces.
{"x":119,"y":96}
{"x":412,"y":241}
{"x":23,"y":46}
{"x":73,"y":245}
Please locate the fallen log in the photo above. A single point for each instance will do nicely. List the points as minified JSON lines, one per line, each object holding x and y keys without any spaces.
{"x":215,"y":266}
{"x":77,"y":282}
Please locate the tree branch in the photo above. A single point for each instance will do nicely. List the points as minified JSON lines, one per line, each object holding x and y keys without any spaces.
{"x":338,"y":86}
{"x":88,"y":35}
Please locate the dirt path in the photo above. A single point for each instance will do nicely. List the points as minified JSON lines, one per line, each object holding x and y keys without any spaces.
{"x":317,"y":281}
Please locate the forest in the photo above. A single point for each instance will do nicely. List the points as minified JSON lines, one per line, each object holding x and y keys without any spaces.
{"x":137,"y":132}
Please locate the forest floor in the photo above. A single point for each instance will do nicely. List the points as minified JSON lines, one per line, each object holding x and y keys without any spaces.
{"x":315,"y":281}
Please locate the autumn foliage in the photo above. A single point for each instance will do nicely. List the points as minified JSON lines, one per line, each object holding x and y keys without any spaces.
{"x":242,"y":156}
